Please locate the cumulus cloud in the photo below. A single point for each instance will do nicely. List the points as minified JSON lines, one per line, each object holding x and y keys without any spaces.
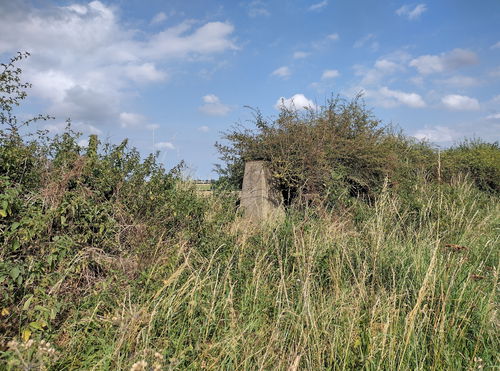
{"x":85,"y":61}
{"x":330,"y":74}
{"x":381,"y":68}
{"x":396,"y":97}
{"x":204,"y":129}
{"x":129,"y":119}
{"x":333,"y":36}
{"x":282,"y":72}
{"x":460,"y":103}
{"x":388,"y":98}
{"x":444,"y":62}
{"x":298,"y":101}
{"x":411,"y":12}
{"x":164,"y":145}
{"x":213,"y":106}
{"x":146,"y":72}
{"x":319,"y":6}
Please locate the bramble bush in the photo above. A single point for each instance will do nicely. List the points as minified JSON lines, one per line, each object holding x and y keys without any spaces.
{"x":341,"y":149}
{"x":65,"y":210}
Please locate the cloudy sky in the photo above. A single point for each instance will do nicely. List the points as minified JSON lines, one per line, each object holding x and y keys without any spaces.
{"x":171,"y":75}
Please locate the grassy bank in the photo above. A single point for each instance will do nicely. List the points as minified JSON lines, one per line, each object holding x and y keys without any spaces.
{"x":384,"y":286}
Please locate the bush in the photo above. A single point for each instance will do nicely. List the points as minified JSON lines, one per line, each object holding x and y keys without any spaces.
{"x":478,"y":159}
{"x":341,"y":146}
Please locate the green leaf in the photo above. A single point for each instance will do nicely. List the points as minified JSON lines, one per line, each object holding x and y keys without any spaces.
{"x":3,"y":213}
{"x":38,"y":325}
{"x":14,"y":272}
{"x":15,"y":244}
{"x":27,"y":303}
{"x":14,"y":226}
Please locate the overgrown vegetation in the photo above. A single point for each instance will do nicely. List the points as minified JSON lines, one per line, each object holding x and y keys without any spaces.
{"x":108,"y":261}
{"x":340,"y":149}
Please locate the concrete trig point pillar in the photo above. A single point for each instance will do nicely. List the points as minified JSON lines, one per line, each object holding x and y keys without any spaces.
{"x":258,"y":200}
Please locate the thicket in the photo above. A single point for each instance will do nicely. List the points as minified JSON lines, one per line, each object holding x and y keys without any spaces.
{"x":108,"y":261}
{"x":341,"y":149}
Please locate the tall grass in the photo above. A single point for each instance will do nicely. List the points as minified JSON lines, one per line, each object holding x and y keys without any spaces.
{"x":392,"y":288}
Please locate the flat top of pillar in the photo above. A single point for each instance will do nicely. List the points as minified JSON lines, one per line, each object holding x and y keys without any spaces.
{"x":255,"y":162}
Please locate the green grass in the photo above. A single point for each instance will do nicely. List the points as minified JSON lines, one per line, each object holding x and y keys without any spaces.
{"x":378,"y":292}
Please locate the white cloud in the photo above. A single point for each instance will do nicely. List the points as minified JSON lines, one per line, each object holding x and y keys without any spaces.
{"x":204,"y":129}
{"x":437,"y":134}
{"x":386,"y":65}
{"x":298,"y":101}
{"x":257,"y":8}
{"x":213,"y":106}
{"x":333,"y":36}
{"x":146,"y":72}
{"x":410,"y":12}
{"x":282,"y":72}
{"x":494,"y":116}
{"x":330,"y":74}
{"x":319,"y":6}
{"x":177,"y":42}
{"x":129,"y":119}
{"x":444,"y":62}
{"x":85,"y":61}
{"x":164,"y":145}
{"x":300,"y":55}
{"x":496,"y":45}
{"x":396,"y":97}
{"x":460,"y":102}
{"x":158,"y":18}
{"x":381,"y":68}
{"x":460,"y":81}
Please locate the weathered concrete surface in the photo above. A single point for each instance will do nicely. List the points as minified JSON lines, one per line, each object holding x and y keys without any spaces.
{"x":258,"y":200}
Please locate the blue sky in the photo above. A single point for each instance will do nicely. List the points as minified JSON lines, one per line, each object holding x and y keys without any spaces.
{"x":172,"y":75}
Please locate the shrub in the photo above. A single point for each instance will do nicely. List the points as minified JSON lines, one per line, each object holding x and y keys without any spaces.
{"x":340,"y":146}
{"x":476,"y":158}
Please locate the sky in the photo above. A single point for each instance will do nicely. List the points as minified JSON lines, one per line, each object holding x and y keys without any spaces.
{"x":172,"y":76}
